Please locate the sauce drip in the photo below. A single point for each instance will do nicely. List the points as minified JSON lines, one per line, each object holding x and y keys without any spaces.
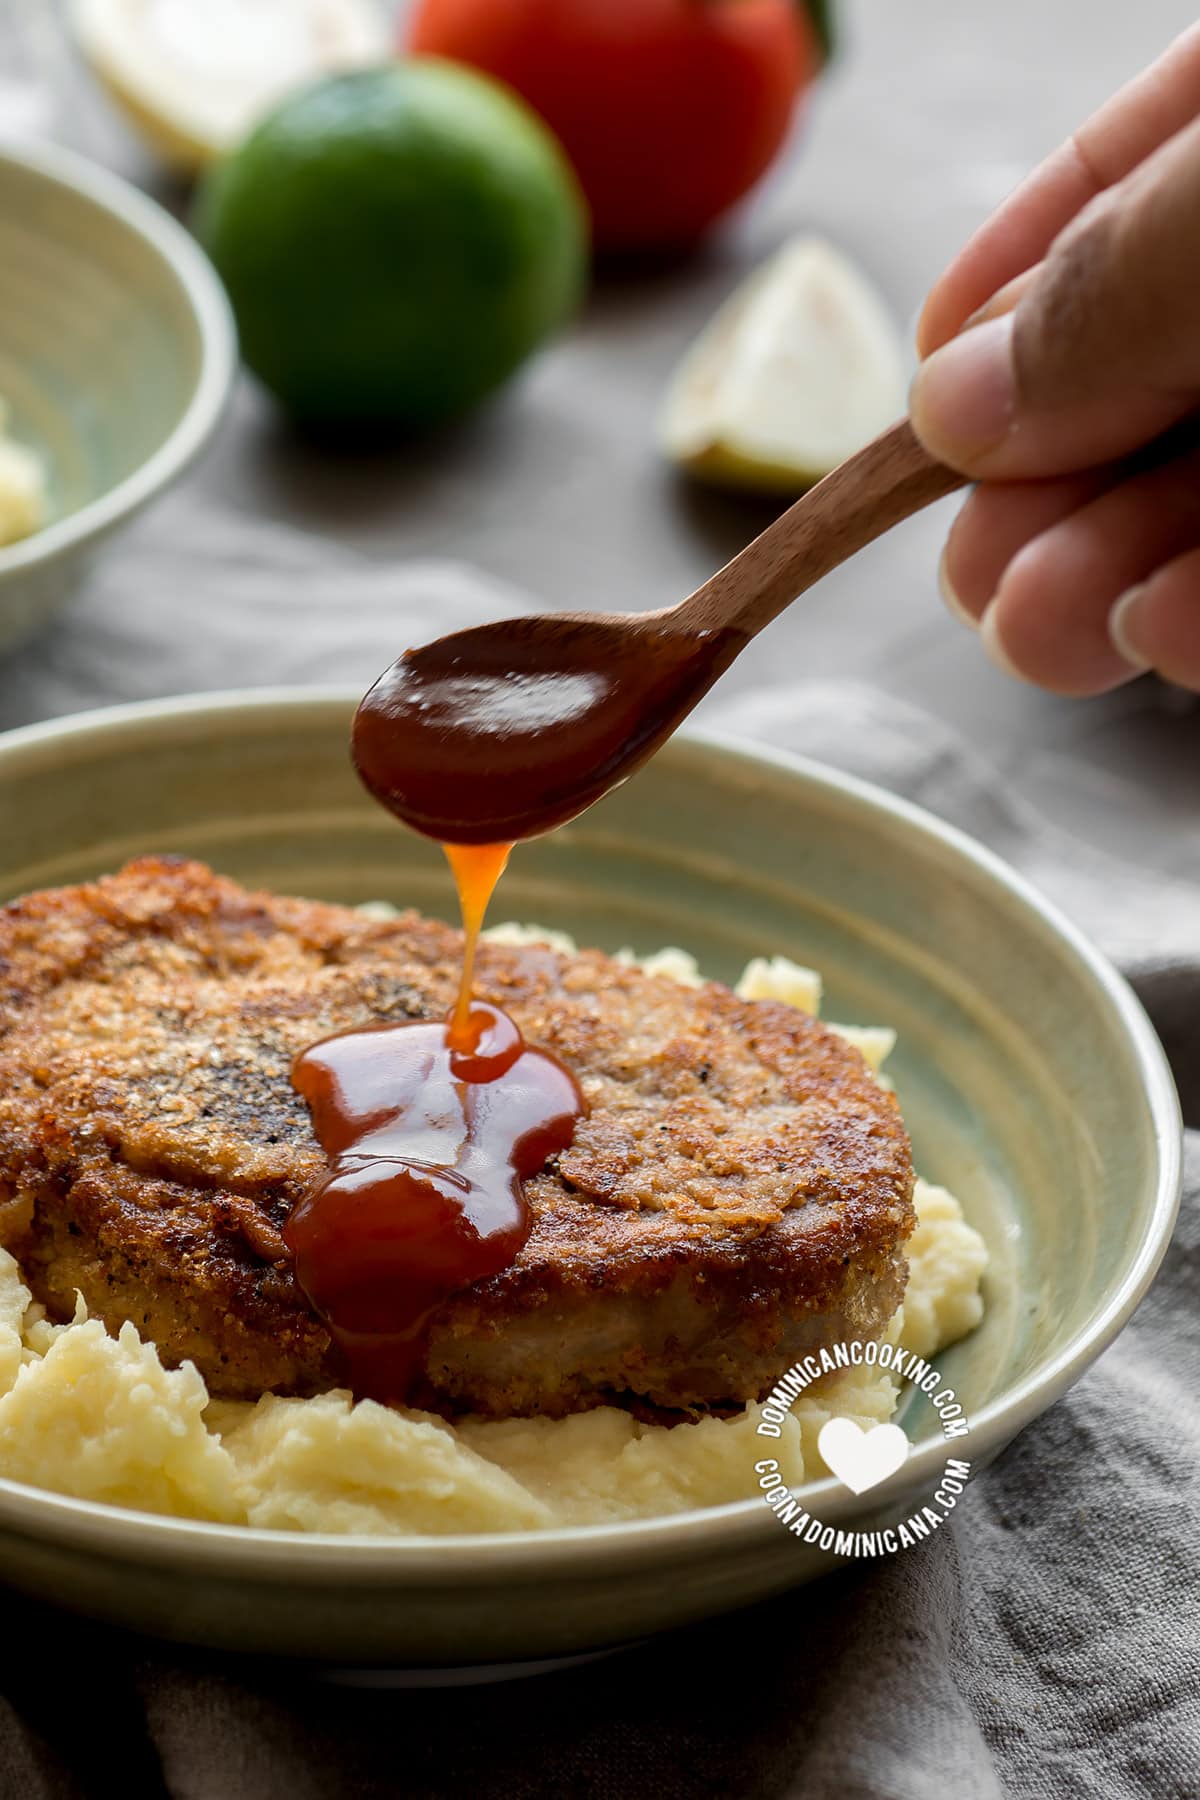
{"x":430,"y":1130}
{"x":477,"y":868}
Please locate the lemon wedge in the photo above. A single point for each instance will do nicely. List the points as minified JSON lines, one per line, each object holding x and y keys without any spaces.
{"x":193,"y":75}
{"x":801,"y":367}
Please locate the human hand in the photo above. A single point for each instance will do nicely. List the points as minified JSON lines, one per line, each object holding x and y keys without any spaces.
{"x":1062,"y":372}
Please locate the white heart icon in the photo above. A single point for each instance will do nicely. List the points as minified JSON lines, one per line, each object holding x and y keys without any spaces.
{"x":862,"y":1459}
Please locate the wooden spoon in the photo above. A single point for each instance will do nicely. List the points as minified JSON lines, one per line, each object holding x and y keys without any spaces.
{"x":508,"y":730}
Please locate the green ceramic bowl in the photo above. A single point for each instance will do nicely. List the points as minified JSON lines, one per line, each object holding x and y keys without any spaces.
{"x":1032,"y":1082}
{"x":117,"y":351}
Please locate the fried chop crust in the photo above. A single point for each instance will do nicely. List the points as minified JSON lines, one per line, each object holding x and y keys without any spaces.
{"x":738,"y":1194}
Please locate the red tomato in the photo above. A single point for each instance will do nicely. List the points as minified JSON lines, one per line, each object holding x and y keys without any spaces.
{"x":669,"y":109}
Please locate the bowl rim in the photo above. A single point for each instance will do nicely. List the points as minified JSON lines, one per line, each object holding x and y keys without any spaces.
{"x":212,"y":315}
{"x":322,"y":1558}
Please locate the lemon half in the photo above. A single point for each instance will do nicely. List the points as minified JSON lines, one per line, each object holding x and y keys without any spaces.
{"x":801,"y":367}
{"x":194,"y":75}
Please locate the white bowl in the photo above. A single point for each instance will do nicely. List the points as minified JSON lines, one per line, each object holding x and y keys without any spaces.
{"x":1031,"y":1080}
{"x":117,"y":351}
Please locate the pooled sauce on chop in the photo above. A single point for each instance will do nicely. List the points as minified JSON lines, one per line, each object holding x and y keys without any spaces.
{"x":430,"y":1130}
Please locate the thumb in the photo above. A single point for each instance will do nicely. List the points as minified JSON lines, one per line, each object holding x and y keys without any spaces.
{"x":1100,"y":352}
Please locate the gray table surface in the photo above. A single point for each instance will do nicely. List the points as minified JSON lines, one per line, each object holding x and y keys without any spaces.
{"x":934,"y":110}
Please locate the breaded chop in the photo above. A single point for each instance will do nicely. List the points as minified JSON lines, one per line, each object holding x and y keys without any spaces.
{"x":739,"y":1193}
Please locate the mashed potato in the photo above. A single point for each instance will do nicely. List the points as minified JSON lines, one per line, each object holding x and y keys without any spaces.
{"x":98,"y":1417}
{"x":22,"y":487}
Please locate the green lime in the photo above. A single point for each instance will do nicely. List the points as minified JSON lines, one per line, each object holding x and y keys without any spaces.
{"x":395,"y":242}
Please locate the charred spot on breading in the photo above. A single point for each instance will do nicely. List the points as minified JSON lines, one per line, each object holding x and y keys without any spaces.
{"x":738,"y":1194}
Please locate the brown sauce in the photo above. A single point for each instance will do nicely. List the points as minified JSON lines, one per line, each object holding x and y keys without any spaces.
{"x":487,"y":736}
{"x":430,"y":1130}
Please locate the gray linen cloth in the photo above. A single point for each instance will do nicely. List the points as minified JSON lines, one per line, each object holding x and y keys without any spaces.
{"x":1046,"y":1646}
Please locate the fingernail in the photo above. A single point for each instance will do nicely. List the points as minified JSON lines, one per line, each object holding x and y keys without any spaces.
{"x":1122,"y":629}
{"x":963,"y":397}
{"x":953,"y":603}
{"x":989,"y":637}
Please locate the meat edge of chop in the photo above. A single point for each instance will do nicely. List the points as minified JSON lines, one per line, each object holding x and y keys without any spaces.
{"x":684,"y":1277}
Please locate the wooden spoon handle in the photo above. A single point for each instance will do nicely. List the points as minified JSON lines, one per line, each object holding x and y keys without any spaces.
{"x":868,"y":494}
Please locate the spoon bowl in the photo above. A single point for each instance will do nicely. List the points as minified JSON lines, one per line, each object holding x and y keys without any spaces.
{"x":507,"y":730}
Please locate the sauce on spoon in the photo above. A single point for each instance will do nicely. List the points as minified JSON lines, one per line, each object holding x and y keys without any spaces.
{"x":505,"y":732}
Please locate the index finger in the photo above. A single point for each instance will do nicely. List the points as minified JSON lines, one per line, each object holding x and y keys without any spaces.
{"x":1144,"y":114}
